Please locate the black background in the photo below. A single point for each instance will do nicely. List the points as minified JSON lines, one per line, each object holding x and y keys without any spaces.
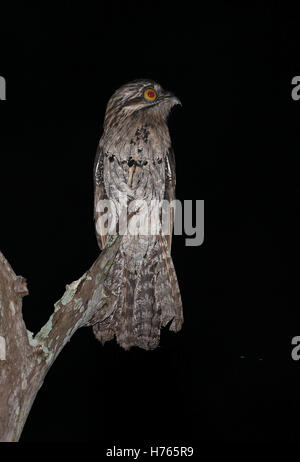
{"x":228,"y":375}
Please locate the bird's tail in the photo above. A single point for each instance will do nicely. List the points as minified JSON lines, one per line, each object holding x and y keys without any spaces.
{"x":147,"y":299}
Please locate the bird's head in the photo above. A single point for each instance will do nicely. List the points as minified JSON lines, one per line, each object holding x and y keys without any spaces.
{"x":140,"y":97}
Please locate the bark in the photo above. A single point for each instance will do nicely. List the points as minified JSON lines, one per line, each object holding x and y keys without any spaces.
{"x":25,"y":359}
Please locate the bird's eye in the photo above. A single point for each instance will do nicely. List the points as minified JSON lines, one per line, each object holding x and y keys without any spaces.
{"x":150,"y":94}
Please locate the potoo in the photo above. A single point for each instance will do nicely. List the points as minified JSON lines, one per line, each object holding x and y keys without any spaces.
{"x":134,"y":176}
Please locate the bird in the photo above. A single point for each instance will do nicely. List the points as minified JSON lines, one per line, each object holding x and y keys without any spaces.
{"x":134,"y":168}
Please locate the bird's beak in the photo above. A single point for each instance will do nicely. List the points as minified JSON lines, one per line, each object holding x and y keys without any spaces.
{"x":172,"y":98}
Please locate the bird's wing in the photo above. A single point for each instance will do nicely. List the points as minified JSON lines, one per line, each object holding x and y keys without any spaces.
{"x":170,"y":183}
{"x":99,"y":194}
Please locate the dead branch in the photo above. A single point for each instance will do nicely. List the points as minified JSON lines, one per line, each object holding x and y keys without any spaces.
{"x":25,"y":359}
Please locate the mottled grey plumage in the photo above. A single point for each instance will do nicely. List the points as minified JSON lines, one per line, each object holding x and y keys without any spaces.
{"x":134,"y":161}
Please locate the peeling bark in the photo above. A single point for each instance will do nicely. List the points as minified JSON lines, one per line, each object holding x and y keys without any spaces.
{"x":25,"y":359}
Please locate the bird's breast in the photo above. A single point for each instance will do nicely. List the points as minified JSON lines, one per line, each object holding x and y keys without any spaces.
{"x":135,"y":155}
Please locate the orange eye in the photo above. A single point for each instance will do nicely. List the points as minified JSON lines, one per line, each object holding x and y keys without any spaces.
{"x":150,"y":94}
